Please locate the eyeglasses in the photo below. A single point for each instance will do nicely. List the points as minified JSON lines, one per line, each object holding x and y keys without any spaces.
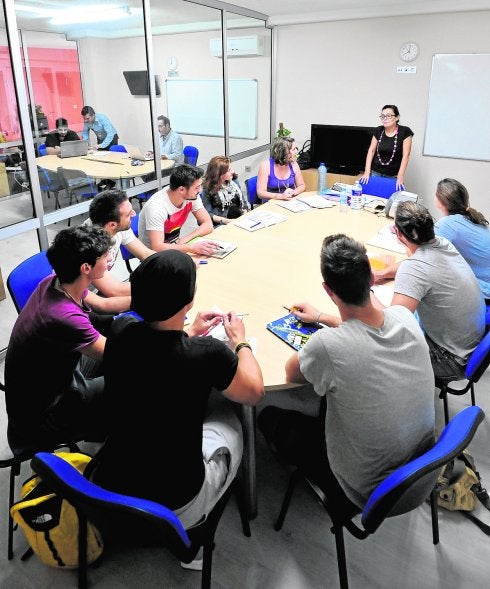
{"x":382,"y":117}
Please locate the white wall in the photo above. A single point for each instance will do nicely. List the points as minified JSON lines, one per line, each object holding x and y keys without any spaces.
{"x":344,"y":72}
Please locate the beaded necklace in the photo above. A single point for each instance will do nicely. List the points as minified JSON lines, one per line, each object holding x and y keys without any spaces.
{"x":394,"y":148}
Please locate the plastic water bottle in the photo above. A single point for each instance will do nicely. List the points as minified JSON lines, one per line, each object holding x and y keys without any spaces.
{"x":344,"y":200}
{"x":356,"y":200}
{"x":322,"y":179}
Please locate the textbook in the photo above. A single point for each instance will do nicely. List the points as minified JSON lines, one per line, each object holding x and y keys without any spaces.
{"x":258,"y":220}
{"x":225,"y":247}
{"x":293,"y":331}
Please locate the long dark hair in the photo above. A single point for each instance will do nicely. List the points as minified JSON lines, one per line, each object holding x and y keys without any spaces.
{"x":454,"y":196}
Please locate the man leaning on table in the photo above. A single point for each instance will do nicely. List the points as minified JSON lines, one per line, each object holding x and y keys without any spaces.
{"x":162,"y":217}
{"x":373,"y":367}
{"x":102,"y":127}
{"x":112,"y":210}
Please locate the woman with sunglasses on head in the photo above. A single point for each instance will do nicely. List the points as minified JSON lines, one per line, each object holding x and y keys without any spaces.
{"x":390,"y":147}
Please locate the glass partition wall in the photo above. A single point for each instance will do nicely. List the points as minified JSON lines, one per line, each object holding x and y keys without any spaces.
{"x":56,"y":57}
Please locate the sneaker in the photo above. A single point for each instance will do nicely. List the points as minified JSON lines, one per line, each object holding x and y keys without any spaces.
{"x":194,"y":565}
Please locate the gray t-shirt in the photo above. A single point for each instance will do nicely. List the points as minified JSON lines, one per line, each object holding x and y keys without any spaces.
{"x":451,"y":304}
{"x":380,"y":397}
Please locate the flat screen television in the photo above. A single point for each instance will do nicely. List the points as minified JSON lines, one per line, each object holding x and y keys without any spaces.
{"x":137,"y":82}
{"x":342,"y":148}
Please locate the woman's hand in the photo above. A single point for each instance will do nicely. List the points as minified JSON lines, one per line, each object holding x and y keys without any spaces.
{"x":364,"y":179}
{"x":400,"y":183}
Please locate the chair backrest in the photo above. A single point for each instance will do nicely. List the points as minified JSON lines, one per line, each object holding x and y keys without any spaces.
{"x":410,"y":485}
{"x":42,"y":149}
{"x":24,"y":278}
{"x":77,"y":182}
{"x":191,"y":154}
{"x":120,"y":148}
{"x":105,"y":508}
{"x":479,"y":360}
{"x":125,"y":253}
{"x":379,"y":186}
{"x":251,"y":184}
{"x":49,"y":180}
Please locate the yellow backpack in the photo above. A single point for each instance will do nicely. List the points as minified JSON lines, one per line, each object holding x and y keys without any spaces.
{"x":50,"y":523}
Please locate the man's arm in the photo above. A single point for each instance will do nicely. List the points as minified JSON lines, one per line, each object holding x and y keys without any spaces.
{"x":111,"y":287}
{"x":107,"y":305}
{"x":139,"y":249}
{"x":204,"y":225}
{"x":293,"y":371}
{"x":95,"y":350}
{"x":175,"y":149}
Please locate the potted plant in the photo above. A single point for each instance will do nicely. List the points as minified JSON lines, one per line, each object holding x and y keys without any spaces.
{"x":282,"y":131}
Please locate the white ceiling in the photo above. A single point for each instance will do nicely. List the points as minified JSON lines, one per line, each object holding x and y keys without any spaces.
{"x":170,"y":16}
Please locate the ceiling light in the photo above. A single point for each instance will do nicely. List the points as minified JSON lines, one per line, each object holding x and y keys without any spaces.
{"x":87,"y":14}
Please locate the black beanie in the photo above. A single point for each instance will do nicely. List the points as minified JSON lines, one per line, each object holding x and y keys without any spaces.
{"x":162,"y":285}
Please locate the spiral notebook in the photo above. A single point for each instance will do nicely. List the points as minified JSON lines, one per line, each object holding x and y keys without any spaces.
{"x":293,"y":331}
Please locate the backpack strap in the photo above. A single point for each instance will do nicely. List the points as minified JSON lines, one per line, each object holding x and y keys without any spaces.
{"x":483,"y":527}
{"x":480,"y":491}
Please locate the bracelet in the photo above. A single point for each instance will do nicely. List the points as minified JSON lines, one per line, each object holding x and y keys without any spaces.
{"x":241,"y":345}
{"x":318,"y":318}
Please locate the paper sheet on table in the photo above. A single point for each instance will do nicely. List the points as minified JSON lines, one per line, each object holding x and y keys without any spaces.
{"x":384,"y":293}
{"x":258,"y":220}
{"x":387,"y":240}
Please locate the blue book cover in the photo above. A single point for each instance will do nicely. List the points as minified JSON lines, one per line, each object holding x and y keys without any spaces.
{"x":293,"y":331}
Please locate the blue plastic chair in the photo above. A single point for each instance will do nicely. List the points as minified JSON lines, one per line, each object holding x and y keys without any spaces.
{"x":24,"y":278}
{"x":477,"y":364}
{"x":379,"y":186}
{"x":251,"y":184}
{"x":120,"y":148}
{"x":191,"y":154}
{"x":130,"y":518}
{"x":125,"y":253}
{"x":41,"y":149}
{"x":403,"y":490}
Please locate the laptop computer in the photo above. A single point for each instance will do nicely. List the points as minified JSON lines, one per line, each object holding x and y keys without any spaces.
{"x":135,"y":153}
{"x":73,"y":148}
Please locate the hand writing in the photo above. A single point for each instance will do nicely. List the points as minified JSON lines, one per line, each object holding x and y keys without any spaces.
{"x":204,"y":247}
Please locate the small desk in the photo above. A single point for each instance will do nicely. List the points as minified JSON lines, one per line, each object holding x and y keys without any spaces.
{"x":114,"y":165}
{"x":272,"y":267}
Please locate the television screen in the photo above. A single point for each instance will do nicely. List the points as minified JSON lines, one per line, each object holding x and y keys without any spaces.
{"x":138,"y":83}
{"x":342,"y":148}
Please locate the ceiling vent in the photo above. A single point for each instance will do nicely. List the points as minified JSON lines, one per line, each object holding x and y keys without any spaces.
{"x":238,"y":46}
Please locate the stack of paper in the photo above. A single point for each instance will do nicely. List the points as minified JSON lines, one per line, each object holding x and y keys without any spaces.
{"x":294,"y":205}
{"x":259,"y":220}
{"x":387,"y":240}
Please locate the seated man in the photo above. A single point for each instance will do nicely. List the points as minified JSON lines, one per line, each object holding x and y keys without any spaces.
{"x":112,"y":210}
{"x":56,"y":345}
{"x":438,"y":283}
{"x":171,"y":144}
{"x":62,"y":133}
{"x":373,"y":368}
{"x":162,"y":217}
{"x":198,"y":442}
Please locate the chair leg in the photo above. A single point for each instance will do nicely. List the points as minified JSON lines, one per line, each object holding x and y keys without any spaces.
{"x":295,"y":477}
{"x":435,"y":517}
{"x":242,"y":509}
{"x":207,"y":565}
{"x":338,"y":531}
{"x":82,"y":550}
{"x":472,"y":389}
{"x":443,"y":396}
{"x":14,"y":471}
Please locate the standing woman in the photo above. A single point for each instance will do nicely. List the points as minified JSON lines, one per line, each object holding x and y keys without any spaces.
{"x":466,"y":228}
{"x":221,"y":196}
{"x":390,"y":148}
{"x":279,"y":177}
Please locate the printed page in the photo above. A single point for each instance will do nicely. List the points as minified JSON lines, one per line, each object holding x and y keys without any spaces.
{"x":316,"y":201}
{"x":258,"y":220}
{"x":225,"y":247}
{"x":296,"y":205}
{"x":387,"y":240}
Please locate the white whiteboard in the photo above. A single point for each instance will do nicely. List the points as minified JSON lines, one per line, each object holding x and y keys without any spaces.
{"x":458,"y":114}
{"x":195,"y":107}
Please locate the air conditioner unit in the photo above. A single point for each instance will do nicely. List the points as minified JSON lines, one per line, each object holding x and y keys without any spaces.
{"x":238,"y":46}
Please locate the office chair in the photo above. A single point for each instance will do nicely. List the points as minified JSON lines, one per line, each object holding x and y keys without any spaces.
{"x":251,"y":184}
{"x":125,"y":253}
{"x":379,"y":186}
{"x":403,"y":490}
{"x":191,"y":154}
{"x":24,"y":278}
{"x":127,"y":518}
{"x":41,"y":149}
{"x":77,"y":184}
{"x":119,"y":148}
{"x":50,"y":182}
{"x":477,"y":364}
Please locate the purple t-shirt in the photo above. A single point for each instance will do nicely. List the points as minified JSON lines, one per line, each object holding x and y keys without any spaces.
{"x":44,"y":349}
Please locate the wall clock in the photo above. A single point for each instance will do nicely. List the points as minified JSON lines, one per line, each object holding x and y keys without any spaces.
{"x":409,"y":51}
